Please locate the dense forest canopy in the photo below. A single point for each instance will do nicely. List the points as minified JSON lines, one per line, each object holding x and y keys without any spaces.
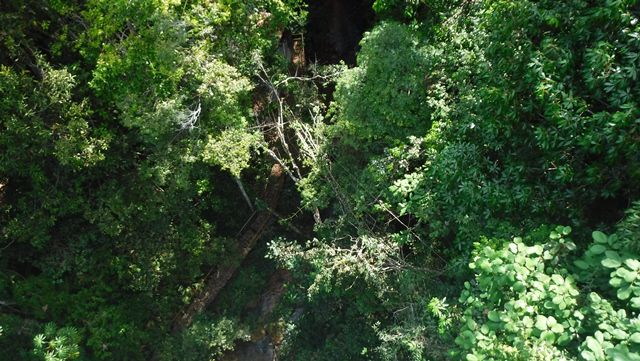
{"x":319,"y":180}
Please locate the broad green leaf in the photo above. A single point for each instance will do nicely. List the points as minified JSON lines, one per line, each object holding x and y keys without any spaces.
{"x":548,"y":336}
{"x":615,"y":282}
{"x":581,"y":264}
{"x":537,"y":249}
{"x":594,"y":346}
{"x":612,"y":254}
{"x":611,"y":263}
{"x":599,"y":237}
{"x":466,"y":339}
{"x":599,"y":336}
{"x":621,"y":353}
{"x":522,"y":248}
{"x":519,"y":286}
{"x":588,"y":355}
{"x":494,"y":316}
{"x":624,"y":293}
{"x":557,"y":279}
{"x":597,"y":249}
{"x":628,"y":276}
{"x":563,"y":339}
{"x":562,"y":305}
{"x":557,"y":328}
{"x":633,"y":264}
{"x":541,"y":323}
{"x":619,"y":334}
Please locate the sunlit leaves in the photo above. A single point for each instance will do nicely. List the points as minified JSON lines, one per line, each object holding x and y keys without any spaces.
{"x":231,"y":150}
{"x":527,"y":305}
{"x":390,"y":71}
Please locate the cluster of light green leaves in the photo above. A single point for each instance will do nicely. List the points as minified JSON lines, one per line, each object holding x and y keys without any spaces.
{"x":379,"y":75}
{"x":525,"y":303}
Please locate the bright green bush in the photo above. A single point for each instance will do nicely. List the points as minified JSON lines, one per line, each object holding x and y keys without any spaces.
{"x":528,"y":303}
{"x":391,"y":71}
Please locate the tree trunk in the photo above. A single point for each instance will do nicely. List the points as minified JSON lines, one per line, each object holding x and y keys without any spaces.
{"x":218,"y":278}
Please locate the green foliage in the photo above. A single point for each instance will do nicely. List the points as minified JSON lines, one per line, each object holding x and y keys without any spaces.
{"x":398,"y":86}
{"x":420,"y":12}
{"x":57,"y":344}
{"x":508,"y":144}
{"x":122,"y":126}
{"x":124,"y":123}
{"x":525,"y":304}
{"x":352,"y":292}
{"x":520,"y":307}
{"x":485,"y":123}
{"x":231,"y":151}
{"x":206,"y":339}
{"x":444,"y":312}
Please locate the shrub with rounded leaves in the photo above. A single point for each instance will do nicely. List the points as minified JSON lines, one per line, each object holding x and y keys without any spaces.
{"x":527,"y":302}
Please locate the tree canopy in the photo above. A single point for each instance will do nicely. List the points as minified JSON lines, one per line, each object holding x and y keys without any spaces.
{"x":180,"y":180}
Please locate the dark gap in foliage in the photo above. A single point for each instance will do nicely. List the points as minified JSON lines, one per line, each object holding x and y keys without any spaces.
{"x":607,"y":210}
{"x":334,"y":29}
